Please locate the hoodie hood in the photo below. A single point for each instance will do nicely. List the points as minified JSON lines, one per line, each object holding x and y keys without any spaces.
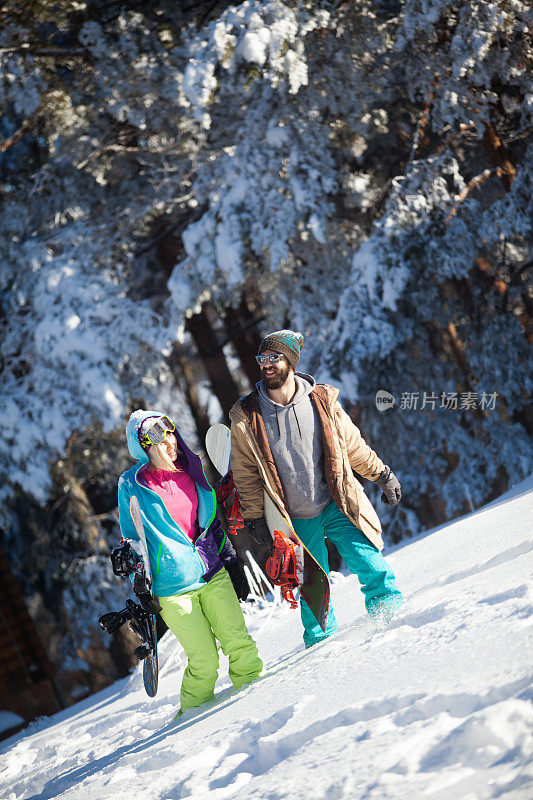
{"x":295,"y":438}
{"x":304,"y":386}
{"x":186,"y":459}
{"x":271,"y":410}
{"x":132,"y":433}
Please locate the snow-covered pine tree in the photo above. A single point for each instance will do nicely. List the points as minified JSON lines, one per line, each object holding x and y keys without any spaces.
{"x":432,"y":305}
{"x":364,"y":166}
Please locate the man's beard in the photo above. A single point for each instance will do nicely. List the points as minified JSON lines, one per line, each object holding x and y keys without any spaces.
{"x":277,"y":380}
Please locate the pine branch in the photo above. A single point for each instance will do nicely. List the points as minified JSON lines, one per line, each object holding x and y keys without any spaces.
{"x":44,"y":51}
{"x":520,"y":135}
{"x":26,"y":126}
{"x":474,"y":184}
{"x":495,"y":149}
{"x":424,"y":119}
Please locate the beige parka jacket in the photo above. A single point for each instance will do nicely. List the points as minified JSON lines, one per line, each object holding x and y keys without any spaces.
{"x":345,"y":451}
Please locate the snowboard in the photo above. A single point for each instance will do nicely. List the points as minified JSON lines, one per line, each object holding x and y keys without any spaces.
{"x":148,"y":650}
{"x":313,"y":585}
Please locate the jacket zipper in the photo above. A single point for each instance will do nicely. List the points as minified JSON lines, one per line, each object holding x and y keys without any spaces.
{"x":188,"y":540}
{"x":213,"y":498}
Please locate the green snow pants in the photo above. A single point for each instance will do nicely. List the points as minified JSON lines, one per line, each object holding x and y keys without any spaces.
{"x":195,"y":619}
{"x":362,"y":558}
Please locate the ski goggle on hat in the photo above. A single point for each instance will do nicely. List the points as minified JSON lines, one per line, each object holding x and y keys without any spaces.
{"x":156,"y":432}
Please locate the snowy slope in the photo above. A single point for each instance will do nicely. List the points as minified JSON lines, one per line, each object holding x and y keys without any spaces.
{"x":438,"y":705}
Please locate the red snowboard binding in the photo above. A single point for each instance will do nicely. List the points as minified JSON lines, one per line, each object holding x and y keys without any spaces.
{"x":281,"y":567}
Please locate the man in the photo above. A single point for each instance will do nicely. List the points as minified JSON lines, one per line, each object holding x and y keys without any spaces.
{"x":291,"y":437}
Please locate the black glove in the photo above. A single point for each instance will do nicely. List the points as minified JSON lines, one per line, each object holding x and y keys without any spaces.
{"x":149,"y":603}
{"x":238,"y":579}
{"x":124,"y":560}
{"x":141,"y":587}
{"x":392,"y":491}
{"x":258,"y":530}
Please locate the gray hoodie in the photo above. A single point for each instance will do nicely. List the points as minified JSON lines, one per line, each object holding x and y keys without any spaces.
{"x":295,"y":439}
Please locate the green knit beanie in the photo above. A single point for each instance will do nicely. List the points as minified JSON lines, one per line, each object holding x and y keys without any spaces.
{"x":289,"y":343}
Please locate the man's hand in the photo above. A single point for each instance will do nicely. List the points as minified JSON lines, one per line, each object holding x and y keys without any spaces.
{"x":258,"y":530}
{"x":392,"y":491}
{"x":238,"y":579}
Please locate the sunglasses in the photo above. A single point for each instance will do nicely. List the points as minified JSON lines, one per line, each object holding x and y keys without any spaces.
{"x":263,"y":360}
{"x":157,"y":433}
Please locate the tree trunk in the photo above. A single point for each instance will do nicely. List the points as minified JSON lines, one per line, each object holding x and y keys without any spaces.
{"x":212,"y":355}
{"x":79,"y":505}
{"x":179,"y":363}
{"x":241,"y":326}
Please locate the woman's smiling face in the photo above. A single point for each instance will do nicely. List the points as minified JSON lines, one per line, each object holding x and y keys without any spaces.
{"x":171,"y":446}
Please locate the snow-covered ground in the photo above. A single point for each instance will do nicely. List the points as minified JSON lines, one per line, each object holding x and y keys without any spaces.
{"x":437,"y":705}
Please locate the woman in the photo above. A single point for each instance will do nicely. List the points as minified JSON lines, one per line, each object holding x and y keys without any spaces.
{"x":188,"y":551}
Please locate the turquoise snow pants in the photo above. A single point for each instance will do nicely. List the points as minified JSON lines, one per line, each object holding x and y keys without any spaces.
{"x":362,"y":558}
